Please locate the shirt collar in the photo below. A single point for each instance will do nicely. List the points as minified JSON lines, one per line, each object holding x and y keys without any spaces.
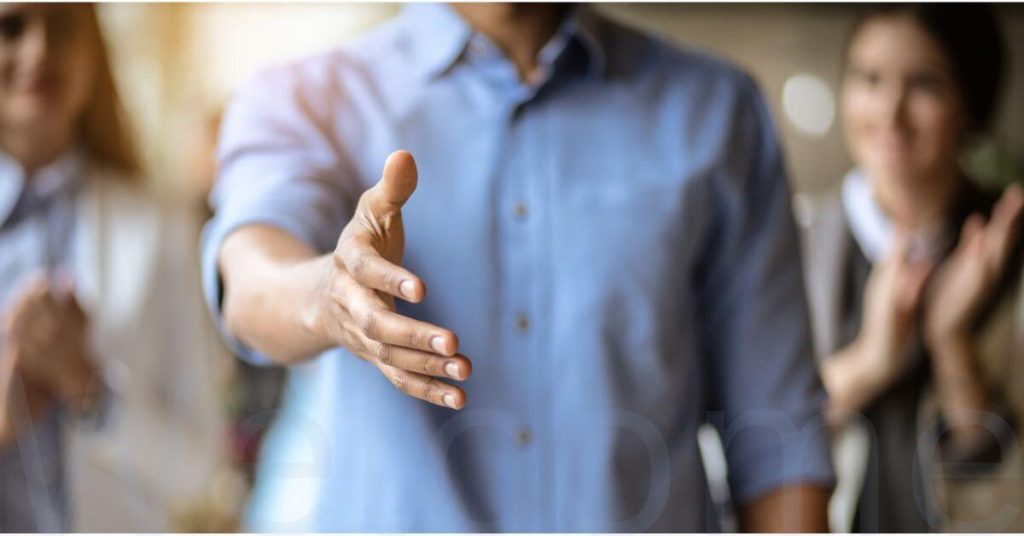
{"x":47,"y":182}
{"x":440,"y":36}
{"x":588,"y":28}
{"x":873,"y":230}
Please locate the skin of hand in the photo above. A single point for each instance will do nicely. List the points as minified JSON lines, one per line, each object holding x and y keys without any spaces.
{"x":963,"y":283}
{"x":876,"y":358}
{"x":359,"y":287}
{"x":891,"y":303}
{"x":21,"y":402}
{"x":283,"y":299}
{"x":958,"y":290}
{"x":46,"y":343}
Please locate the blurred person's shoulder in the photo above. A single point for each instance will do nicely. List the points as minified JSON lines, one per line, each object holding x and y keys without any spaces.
{"x":677,"y":65}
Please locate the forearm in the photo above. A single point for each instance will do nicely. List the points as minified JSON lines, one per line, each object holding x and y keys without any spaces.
{"x":961,"y":394}
{"x":269,"y":278}
{"x":850,"y":382}
{"x":792,"y":508}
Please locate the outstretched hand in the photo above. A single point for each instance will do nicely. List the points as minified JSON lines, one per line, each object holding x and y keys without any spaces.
{"x":357,"y":309}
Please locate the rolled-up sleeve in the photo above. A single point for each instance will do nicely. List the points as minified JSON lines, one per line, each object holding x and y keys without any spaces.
{"x":766,"y":399}
{"x":276,"y":166}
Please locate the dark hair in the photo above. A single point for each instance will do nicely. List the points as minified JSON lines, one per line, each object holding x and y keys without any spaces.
{"x":969,"y":35}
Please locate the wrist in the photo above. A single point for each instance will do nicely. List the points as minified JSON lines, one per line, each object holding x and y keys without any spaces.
{"x":953,"y":363}
{"x":873,"y":362}
{"x":854,"y":375}
{"x":269,"y":299}
{"x":945,"y":336}
{"x":315,"y":277}
{"x":950,"y":351}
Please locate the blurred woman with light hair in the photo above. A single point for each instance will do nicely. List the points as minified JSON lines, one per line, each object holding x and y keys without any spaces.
{"x":110,"y":415}
{"x":914,"y":277}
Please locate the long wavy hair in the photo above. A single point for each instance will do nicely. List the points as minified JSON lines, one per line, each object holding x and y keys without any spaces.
{"x":103,"y":127}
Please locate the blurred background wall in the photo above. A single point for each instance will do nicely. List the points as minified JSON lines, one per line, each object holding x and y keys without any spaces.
{"x":179,"y":63}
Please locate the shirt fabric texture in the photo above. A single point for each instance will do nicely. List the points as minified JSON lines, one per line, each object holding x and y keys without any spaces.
{"x":612,"y":244}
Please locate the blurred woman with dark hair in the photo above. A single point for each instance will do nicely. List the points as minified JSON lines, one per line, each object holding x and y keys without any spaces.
{"x":104,"y":346}
{"x":914,"y":276}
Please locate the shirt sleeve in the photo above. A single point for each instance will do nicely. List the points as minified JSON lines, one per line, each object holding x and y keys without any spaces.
{"x":277,"y":166}
{"x":766,"y":399}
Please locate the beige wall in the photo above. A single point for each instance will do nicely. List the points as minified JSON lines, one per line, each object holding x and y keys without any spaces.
{"x":178,"y":62}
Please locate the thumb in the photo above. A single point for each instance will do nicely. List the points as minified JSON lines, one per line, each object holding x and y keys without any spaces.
{"x":65,"y":289}
{"x":397,"y":183}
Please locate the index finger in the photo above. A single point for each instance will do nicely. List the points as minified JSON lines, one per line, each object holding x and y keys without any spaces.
{"x":1005,"y":222}
{"x":370,"y":269}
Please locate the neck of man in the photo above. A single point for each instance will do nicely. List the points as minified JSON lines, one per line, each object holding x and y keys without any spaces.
{"x":519,"y":30}
{"x":919,"y":204}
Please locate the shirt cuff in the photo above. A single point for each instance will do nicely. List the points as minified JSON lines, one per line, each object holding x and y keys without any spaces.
{"x":769,"y":452}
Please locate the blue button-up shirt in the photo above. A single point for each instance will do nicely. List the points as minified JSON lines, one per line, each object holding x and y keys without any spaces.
{"x":611,"y":242}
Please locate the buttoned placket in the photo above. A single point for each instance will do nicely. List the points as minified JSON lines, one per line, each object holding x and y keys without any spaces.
{"x":523,"y":215}
{"x":530,"y":216}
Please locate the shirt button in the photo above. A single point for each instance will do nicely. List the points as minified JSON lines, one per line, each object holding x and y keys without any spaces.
{"x":522,"y":323}
{"x":524,"y":436}
{"x":520,"y":210}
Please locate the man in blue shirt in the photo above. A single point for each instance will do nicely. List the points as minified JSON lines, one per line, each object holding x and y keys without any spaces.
{"x":602,"y":223}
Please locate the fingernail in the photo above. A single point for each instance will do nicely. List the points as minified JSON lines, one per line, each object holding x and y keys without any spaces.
{"x":452,"y":370}
{"x":437,"y":343}
{"x":449,"y":401}
{"x":407,"y":288}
